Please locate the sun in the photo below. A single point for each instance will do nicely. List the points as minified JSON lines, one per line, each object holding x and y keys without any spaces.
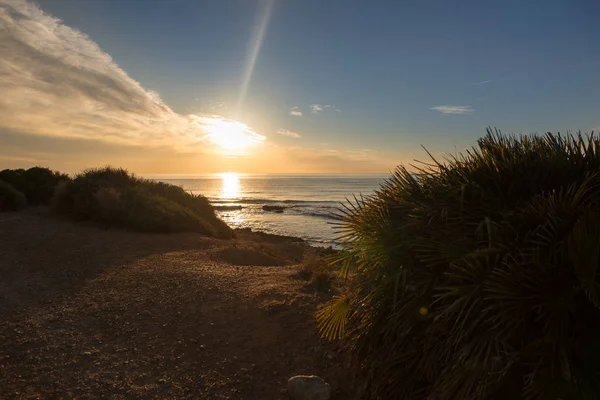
{"x":233,"y":137}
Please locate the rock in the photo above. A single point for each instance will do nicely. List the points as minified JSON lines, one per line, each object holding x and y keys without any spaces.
{"x":227,"y":208}
{"x":308,"y":387}
{"x":278,"y":209}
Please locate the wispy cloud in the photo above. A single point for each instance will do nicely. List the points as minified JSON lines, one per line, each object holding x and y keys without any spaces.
{"x":57,"y":82}
{"x":217,"y":106}
{"x":310,"y":160}
{"x":316,"y":108}
{"x":489,"y":81}
{"x":295,"y":111}
{"x":448,"y":109}
{"x":288,"y":133}
{"x":26,"y":159}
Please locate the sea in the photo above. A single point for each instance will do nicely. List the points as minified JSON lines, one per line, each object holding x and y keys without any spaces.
{"x":300,"y":205}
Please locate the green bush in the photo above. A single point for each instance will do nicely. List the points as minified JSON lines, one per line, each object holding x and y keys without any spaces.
{"x":477,"y":278}
{"x":37,"y":183}
{"x":10,"y":198}
{"x":115,"y":198}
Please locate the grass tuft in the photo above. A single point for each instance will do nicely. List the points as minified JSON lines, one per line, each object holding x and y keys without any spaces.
{"x":316,"y":269}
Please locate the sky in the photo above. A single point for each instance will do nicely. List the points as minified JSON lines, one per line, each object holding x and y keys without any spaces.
{"x":286,"y":86}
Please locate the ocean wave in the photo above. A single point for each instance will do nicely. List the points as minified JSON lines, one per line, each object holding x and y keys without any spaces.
{"x":325,"y":212}
{"x":330,"y":216}
{"x":242,"y":201}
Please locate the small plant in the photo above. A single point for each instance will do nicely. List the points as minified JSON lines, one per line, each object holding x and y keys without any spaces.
{"x":10,"y":198}
{"x":477,"y":277}
{"x":317,"y":271}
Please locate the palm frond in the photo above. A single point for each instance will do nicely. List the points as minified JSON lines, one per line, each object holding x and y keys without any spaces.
{"x":477,"y":276}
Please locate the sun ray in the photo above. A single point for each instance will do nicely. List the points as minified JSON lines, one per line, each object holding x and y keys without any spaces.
{"x":267,"y":6}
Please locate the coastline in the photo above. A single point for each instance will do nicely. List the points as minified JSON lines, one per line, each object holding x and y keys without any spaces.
{"x":304,"y":206}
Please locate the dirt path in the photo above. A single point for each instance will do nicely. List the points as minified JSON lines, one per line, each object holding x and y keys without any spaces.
{"x":91,"y":313}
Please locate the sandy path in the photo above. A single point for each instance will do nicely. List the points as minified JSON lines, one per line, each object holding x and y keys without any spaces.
{"x":92,"y":313}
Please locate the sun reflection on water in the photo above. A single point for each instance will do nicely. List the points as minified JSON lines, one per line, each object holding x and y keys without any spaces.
{"x":230,"y":188}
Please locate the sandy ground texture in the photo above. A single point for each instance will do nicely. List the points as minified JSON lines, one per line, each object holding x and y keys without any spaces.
{"x":93,"y":313}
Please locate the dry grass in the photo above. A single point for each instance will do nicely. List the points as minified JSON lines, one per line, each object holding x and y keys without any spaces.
{"x":316,"y":270}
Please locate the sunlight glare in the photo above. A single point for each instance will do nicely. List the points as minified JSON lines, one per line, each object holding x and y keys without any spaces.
{"x":230,"y":188}
{"x":233,"y":137}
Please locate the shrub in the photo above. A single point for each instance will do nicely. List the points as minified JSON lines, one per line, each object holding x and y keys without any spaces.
{"x":10,"y":198}
{"x":478,"y":277}
{"x":37,"y":183}
{"x":115,"y":198}
{"x":316,"y":269}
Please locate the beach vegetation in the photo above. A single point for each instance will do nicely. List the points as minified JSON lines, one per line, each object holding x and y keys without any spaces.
{"x":113,"y":197}
{"x":37,"y":183}
{"x":10,"y":198}
{"x":316,"y":270}
{"x":476,"y":276}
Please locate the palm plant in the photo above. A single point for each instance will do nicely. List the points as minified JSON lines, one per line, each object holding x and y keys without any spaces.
{"x":476,"y":277}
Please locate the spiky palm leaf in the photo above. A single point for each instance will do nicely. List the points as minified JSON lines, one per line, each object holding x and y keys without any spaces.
{"x":500,"y":246}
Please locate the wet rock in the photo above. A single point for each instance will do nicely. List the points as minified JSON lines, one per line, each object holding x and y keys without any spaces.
{"x":227,"y":208}
{"x":308,"y":387}
{"x":278,"y":209}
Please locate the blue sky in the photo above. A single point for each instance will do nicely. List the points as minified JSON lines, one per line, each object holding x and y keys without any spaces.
{"x":395,"y":74}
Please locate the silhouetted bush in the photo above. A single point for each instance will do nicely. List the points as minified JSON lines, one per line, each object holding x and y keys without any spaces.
{"x":37,"y":183}
{"x":10,"y":198}
{"x":478,"y":277}
{"x":115,"y":198}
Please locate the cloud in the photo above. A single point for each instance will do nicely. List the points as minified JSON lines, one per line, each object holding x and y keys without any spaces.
{"x":25,"y":159}
{"x":290,"y":134}
{"x":316,"y":108}
{"x":216,"y":106}
{"x":295,"y":111}
{"x":489,"y":80}
{"x":55,"y":81}
{"x":311,"y":160}
{"x":453,"y":109}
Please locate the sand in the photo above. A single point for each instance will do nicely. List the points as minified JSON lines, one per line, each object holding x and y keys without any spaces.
{"x":90,"y":313}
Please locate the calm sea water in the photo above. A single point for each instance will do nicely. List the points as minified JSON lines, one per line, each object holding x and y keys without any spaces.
{"x":307,"y":201}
